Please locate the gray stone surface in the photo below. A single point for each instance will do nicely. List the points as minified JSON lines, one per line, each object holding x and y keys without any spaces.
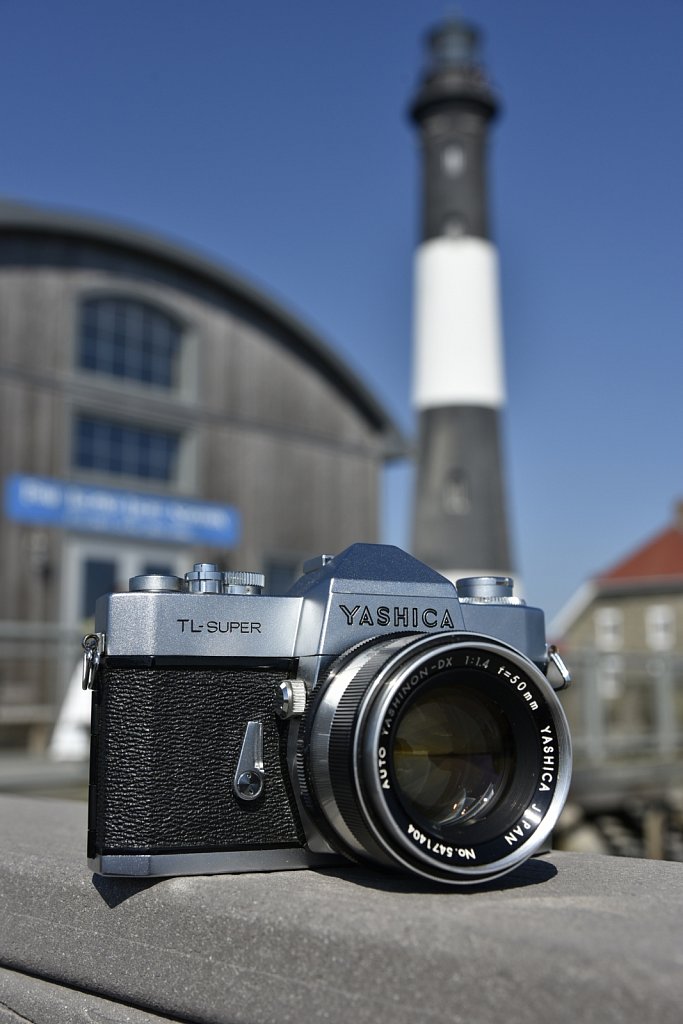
{"x":23,"y":998}
{"x":570,"y":937}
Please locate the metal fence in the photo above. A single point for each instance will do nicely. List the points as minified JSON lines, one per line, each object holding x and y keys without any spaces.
{"x":625,"y":712}
{"x":625,"y":706}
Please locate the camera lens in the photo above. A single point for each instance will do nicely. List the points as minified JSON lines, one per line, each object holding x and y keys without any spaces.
{"x":453,"y":755}
{"x":447,"y":755}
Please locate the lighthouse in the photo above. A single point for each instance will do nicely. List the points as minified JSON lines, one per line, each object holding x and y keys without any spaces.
{"x":460,"y":523}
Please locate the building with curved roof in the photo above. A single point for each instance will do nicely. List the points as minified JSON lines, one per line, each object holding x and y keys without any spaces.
{"x":158,"y":410}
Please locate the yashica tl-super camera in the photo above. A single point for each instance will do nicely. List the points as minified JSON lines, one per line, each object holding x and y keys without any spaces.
{"x":376,"y":712}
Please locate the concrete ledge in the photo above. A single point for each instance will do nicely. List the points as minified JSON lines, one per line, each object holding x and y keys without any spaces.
{"x":23,"y":998}
{"x":570,"y":936}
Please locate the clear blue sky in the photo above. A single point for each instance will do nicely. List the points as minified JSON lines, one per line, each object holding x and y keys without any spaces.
{"x":273,"y":137}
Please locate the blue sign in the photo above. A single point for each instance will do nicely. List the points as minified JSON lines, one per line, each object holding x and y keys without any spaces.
{"x":48,"y":502}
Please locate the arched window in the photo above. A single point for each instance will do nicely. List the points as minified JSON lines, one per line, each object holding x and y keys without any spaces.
{"x":127,"y":338}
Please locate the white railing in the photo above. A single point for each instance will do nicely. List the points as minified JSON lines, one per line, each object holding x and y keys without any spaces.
{"x":37,"y":660}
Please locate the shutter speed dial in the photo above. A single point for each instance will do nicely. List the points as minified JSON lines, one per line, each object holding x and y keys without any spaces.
{"x":205,"y":578}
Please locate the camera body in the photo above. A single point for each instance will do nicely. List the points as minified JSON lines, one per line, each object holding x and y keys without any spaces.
{"x":375,"y":713}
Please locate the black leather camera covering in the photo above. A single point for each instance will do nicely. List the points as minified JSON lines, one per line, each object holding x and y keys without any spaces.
{"x":166,"y":742}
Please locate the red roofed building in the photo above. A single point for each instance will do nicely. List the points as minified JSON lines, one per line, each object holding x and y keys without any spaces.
{"x":625,"y":607}
{"x":621,"y":635}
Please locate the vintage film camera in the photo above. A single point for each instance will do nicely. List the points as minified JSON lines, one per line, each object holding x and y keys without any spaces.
{"x":374,"y":712}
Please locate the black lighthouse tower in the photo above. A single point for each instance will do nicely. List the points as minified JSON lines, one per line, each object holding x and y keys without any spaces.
{"x":460,"y":523}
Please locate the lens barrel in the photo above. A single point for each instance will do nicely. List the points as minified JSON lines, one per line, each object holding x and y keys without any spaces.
{"x":446,"y":755}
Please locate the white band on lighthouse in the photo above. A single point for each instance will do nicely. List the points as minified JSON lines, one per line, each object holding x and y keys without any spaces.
{"x":458,"y":357}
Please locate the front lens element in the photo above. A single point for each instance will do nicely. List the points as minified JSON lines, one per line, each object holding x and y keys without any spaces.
{"x":453,"y":755}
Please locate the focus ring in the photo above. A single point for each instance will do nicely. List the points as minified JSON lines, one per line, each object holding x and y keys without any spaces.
{"x":341,"y":745}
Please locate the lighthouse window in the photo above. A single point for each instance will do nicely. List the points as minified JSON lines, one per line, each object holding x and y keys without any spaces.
{"x":456,"y":493}
{"x":453,"y":160}
{"x":453,"y":225}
